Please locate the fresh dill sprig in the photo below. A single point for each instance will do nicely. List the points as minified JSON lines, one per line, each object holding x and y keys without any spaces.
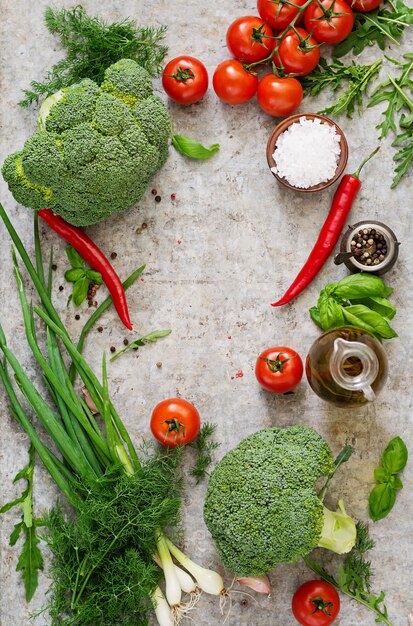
{"x":91,"y":46}
{"x":204,"y":449}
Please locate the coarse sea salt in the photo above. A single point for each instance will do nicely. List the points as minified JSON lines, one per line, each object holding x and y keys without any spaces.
{"x":307,"y":153}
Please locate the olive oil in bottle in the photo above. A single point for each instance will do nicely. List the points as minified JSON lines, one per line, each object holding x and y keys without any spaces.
{"x":347,"y":367}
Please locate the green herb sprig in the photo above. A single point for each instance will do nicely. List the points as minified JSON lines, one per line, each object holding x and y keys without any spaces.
{"x":30,"y":560}
{"x":383,"y":496}
{"x":353,"y":577}
{"x":204,"y":448}
{"x":380,"y":26}
{"x":359,"y":300}
{"x":332,"y":76}
{"x":138,"y":343}
{"x":398,"y":116}
{"x":91,"y":46}
{"x":80,"y":276}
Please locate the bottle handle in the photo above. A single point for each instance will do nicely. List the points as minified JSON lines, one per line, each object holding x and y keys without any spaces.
{"x":342,"y":351}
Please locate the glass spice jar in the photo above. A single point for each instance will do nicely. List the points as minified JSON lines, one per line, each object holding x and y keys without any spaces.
{"x":347,"y":367}
{"x":368,"y":246}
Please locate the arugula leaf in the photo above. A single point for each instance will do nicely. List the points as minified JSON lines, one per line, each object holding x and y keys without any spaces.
{"x":404,"y":156}
{"x":30,"y":559}
{"x":332,"y":77}
{"x":379,"y":26}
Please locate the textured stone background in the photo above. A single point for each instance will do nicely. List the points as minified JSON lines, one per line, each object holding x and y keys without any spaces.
{"x":243,"y":238}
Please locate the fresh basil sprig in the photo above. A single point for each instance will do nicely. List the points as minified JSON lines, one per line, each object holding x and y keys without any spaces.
{"x":383,"y":496}
{"x":191,"y":148}
{"x":80,"y":276}
{"x":357,"y":300}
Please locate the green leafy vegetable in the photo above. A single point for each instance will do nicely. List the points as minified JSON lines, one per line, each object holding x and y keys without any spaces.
{"x":353,"y":577}
{"x":358,"y":300}
{"x":333,"y":76}
{"x":383,"y":496}
{"x":150,"y":338}
{"x":204,"y":448}
{"x":92,"y":45}
{"x":191,"y":148}
{"x":30,"y":559}
{"x":399,"y":113}
{"x":81,"y":277}
{"x":385,"y":24}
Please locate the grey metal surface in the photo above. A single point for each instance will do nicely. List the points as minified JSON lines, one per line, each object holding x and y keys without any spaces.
{"x":216,"y":256}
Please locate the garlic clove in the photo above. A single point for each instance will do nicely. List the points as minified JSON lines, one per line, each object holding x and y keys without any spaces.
{"x":260,"y":584}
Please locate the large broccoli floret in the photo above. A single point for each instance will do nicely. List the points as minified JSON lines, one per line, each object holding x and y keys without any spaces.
{"x":97,"y":147}
{"x":262,"y":506}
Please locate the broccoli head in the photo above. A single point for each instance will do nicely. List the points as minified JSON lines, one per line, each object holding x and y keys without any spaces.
{"x":262,"y":506}
{"x":97,"y":147}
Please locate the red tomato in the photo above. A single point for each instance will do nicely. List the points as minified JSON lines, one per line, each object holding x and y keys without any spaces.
{"x":175,"y":422}
{"x":364,"y":6}
{"x":279,"y":369}
{"x":232,"y":83}
{"x":315,"y":603}
{"x":276,"y":18}
{"x":298,"y":58}
{"x":279,"y":96}
{"x":247,"y":39}
{"x":336,"y":26}
{"x":185,"y":80}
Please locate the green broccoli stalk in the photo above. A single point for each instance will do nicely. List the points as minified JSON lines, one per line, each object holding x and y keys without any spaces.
{"x":97,"y":147}
{"x":262,"y":506}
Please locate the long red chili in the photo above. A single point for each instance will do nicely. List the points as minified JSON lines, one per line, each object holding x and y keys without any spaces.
{"x":94,"y":256}
{"x":329,"y":234}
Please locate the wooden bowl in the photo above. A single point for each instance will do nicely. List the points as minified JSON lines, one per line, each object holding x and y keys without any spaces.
{"x":282,"y":126}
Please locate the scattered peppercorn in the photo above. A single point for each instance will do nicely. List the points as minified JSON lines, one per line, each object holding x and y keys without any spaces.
{"x":54,"y":267}
{"x":173,"y":196}
{"x":113,"y":255}
{"x":100,"y":329}
{"x":158,"y":364}
{"x":138,"y":231}
{"x":125,"y":342}
{"x":77,"y":316}
{"x":154,"y":192}
{"x":158,"y":198}
{"x":61,"y":287}
{"x":144,"y":225}
{"x":112,"y":349}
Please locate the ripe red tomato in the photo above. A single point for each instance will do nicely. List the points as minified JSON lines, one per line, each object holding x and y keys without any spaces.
{"x":232,"y":83}
{"x":296,"y":57}
{"x":279,"y":369}
{"x":279,"y":96}
{"x":175,"y":422}
{"x":336,"y":26}
{"x":247,"y":39}
{"x":276,"y":18}
{"x":315,"y":603}
{"x":364,"y":6}
{"x":185,"y":80}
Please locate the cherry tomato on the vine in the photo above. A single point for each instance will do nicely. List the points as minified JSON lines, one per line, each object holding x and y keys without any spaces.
{"x":276,"y":16}
{"x":315,"y":603}
{"x":279,"y":96}
{"x":279,"y":369}
{"x":336,"y":24}
{"x":364,"y":6}
{"x":175,"y":422}
{"x":248,"y":39}
{"x":232,"y":83}
{"x":296,"y":56}
{"x":185,"y":79}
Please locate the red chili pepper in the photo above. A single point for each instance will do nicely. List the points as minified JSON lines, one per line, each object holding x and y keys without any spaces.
{"x":95,"y":257}
{"x":329,"y":234}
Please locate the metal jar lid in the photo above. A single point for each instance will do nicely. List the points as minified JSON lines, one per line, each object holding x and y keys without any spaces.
{"x":345,"y":256}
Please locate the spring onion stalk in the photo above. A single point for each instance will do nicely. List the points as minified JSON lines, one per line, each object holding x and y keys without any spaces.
{"x":173,"y":588}
{"x":206,"y":579}
{"x":162,"y":609}
{"x":188,"y":585}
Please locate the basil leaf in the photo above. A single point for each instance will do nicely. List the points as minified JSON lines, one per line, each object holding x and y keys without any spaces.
{"x":381,"y":501}
{"x":80,"y":289}
{"x":73,"y":275}
{"x":94,"y":277}
{"x":381,"y":475}
{"x":74,"y":257}
{"x":363,"y":317}
{"x":191,"y":148}
{"x":331,"y":313}
{"x":379,"y":304}
{"x":315,"y":315}
{"x":360,"y":286}
{"x":395,"y":456}
{"x":395,"y":482}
